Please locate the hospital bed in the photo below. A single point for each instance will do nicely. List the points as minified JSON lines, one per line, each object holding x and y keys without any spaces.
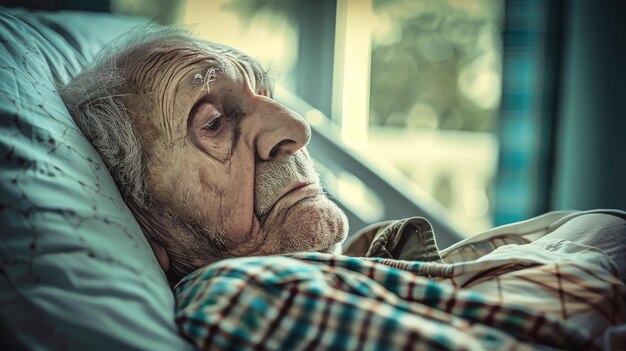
{"x":75,"y":269}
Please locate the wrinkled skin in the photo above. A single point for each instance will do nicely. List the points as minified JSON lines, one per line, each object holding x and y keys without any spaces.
{"x":228,"y":171}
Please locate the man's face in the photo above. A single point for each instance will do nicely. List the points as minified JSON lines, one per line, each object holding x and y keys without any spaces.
{"x":227,"y":164}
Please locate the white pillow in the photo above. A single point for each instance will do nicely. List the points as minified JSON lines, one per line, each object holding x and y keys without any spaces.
{"x":76,"y":272}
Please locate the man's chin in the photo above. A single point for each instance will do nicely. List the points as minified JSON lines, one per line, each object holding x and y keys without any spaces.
{"x":333,"y":249}
{"x":311,"y":224}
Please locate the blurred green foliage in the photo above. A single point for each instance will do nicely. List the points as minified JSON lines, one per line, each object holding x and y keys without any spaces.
{"x":159,"y":11}
{"x":249,"y":9}
{"x":436,"y":64}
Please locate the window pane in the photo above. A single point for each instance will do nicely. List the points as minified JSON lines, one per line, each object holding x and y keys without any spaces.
{"x":434,"y":94}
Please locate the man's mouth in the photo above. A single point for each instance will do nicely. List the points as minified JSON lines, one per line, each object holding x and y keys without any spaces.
{"x":294,"y":188}
{"x":295,"y":193}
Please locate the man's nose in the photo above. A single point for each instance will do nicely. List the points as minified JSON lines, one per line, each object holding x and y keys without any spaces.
{"x":280,"y":130}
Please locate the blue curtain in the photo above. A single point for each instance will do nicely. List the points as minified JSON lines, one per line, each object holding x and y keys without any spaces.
{"x":529,"y":108}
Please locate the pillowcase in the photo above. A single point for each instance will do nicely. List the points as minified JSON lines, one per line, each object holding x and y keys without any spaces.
{"x":75,"y":269}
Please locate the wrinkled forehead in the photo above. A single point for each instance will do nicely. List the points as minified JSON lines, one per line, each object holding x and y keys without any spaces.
{"x":231,"y":63}
{"x":218,"y":65}
{"x":149,"y":64}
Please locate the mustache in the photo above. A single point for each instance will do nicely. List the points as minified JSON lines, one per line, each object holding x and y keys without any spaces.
{"x":273,"y":176}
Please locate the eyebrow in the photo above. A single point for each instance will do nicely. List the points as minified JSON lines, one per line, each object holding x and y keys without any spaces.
{"x":207,"y":72}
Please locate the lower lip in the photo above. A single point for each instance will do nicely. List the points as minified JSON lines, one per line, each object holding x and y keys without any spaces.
{"x":306,"y":190}
{"x":296,"y":196}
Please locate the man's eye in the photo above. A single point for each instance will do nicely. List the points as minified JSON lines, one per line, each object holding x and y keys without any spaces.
{"x":213,"y":124}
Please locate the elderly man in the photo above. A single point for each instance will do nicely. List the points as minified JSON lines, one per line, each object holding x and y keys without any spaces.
{"x":209,"y":164}
{"x":213,"y":168}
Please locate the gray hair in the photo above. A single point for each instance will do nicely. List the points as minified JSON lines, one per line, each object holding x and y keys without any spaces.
{"x":95,"y":100}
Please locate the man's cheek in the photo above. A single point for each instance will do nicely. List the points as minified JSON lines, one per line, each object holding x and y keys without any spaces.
{"x":237,"y":207}
{"x":210,"y":180}
{"x":241,"y":182}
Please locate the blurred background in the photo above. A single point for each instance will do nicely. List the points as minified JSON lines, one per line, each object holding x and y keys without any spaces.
{"x":484,"y":111}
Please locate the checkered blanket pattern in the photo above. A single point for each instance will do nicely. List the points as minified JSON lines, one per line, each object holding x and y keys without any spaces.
{"x":318,"y":301}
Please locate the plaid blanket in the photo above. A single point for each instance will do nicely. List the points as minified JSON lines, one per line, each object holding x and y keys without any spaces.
{"x":562,"y":296}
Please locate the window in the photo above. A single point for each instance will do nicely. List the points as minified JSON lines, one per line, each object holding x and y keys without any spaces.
{"x":430,"y":71}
